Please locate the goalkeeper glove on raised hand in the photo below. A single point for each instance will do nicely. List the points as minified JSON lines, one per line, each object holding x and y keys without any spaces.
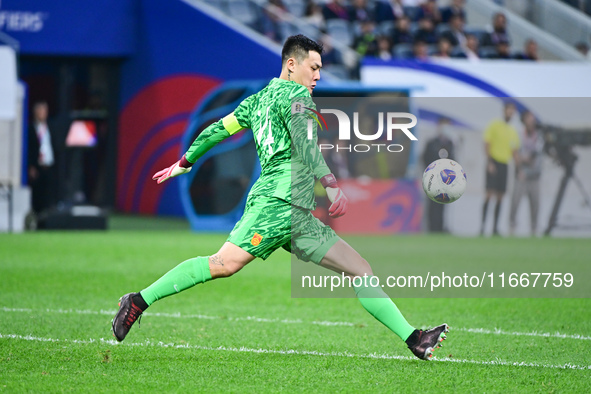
{"x":180,"y":167}
{"x":336,"y":196}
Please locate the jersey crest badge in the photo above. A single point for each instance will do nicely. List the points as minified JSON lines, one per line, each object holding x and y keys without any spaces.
{"x":256,"y":239}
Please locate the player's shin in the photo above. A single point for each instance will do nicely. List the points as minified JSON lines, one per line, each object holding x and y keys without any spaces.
{"x":185,"y":275}
{"x":380,"y":306}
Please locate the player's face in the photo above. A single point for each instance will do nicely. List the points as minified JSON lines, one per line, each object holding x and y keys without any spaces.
{"x":307,"y":72}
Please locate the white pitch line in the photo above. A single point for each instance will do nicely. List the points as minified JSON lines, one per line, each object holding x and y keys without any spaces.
{"x":244,"y":349}
{"x":494,"y":331}
{"x":498,"y":331}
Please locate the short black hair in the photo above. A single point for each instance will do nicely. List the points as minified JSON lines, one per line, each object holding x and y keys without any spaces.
{"x":298,"y":47}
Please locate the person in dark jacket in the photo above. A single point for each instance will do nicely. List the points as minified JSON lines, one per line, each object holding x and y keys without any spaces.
{"x":41,"y":159}
{"x":439,"y":147}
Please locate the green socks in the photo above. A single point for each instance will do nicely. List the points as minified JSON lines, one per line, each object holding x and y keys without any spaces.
{"x":194,"y":271}
{"x":380,"y":306}
{"x":185,"y":275}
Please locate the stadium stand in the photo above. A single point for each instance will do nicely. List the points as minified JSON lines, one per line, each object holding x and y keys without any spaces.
{"x":402,"y":26}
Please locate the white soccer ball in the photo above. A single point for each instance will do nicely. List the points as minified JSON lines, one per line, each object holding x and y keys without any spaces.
{"x":444,"y":181}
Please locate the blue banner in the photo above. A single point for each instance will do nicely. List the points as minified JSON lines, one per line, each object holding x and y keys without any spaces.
{"x":80,"y":28}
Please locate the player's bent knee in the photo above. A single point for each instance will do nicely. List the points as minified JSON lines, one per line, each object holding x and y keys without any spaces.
{"x":223,"y":268}
{"x":231,"y":268}
{"x":228,"y":260}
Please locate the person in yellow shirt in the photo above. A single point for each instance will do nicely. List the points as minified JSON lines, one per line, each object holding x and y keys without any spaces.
{"x":501,"y":144}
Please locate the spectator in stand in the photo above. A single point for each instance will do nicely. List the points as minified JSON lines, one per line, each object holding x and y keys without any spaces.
{"x":583,"y":48}
{"x":313,"y":15}
{"x":389,"y":10}
{"x":499,"y":30}
{"x":426,"y":31}
{"x":455,"y":8}
{"x":581,"y":5}
{"x":384,"y":48}
{"x":271,"y":20}
{"x":443,"y":49}
{"x":430,"y":10}
{"x":530,"y":51}
{"x":471,"y":51}
{"x":359,"y":11}
{"x":401,"y":33}
{"x":420,"y":51}
{"x":330,"y":55}
{"x":455,"y":35}
{"x":335,"y":9}
{"x":366,"y":44}
{"x":503,"y":51}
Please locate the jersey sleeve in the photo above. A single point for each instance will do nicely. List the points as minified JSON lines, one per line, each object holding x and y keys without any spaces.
{"x":219,"y":131}
{"x":296,"y":114}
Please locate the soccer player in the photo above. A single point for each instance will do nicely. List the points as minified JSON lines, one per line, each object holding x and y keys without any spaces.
{"x":278,"y":208}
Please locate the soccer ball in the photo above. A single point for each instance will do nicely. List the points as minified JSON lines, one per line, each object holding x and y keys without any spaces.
{"x":444,"y":181}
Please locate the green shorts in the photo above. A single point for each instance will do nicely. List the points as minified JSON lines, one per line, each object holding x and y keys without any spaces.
{"x":270,"y":223}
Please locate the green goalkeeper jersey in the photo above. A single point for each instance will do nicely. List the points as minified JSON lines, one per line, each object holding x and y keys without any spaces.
{"x":289,"y":158}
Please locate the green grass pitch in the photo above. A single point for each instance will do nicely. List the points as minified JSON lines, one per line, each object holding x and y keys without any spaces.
{"x":59,"y":291}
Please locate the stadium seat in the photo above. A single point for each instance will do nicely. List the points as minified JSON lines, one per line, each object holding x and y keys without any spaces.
{"x":478,"y":32}
{"x":413,"y":13}
{"x":243,"y":11}
{"x":441,"y":28}
{"x":337,"y":70}
{"x":488,"y":52}
{"x":403,"y":51}
{"x":432,"y":49}
{"x":340,"y":30}
{"x":386,"y":28}
{"x":295,"y":7}
{"x":457,"y":52}
{"x":218,"y":4}
{"x":287,"y":29}
{"x":310,"y":31}
{"x":356,"y":27}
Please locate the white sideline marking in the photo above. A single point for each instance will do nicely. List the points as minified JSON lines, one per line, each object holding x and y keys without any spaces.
{"x":498,"y":331}
{"x":291,"y":352}
{"x":495,"y":331}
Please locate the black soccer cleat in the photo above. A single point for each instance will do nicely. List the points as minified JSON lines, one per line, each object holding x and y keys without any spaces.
{"x":429,"y":340}
{"x":127,"y":315}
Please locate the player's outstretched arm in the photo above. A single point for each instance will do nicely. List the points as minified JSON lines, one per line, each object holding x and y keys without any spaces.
{"x":339,"y":201}
{"x":207,"y":139}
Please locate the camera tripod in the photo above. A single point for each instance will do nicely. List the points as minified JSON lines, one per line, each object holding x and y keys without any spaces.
{"x":567,"y":159}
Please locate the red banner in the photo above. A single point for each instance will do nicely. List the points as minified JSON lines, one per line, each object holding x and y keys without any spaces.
{"x":377,"y":207}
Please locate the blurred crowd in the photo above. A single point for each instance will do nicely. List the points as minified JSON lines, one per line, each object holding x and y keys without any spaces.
{"x":386,"y":29}
{"x":395,"y":29}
